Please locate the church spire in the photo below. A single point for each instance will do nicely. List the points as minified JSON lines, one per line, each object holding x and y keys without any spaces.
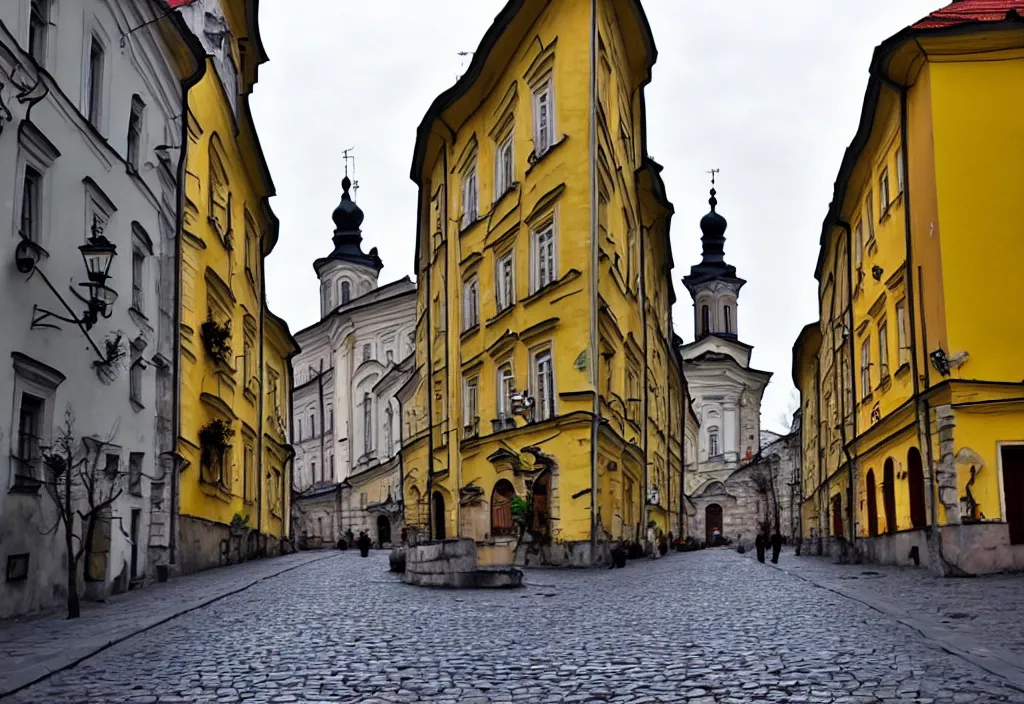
{"x":712,"y":265}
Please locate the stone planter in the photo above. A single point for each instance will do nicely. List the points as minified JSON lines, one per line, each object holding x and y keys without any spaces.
{"x":453,"y":563}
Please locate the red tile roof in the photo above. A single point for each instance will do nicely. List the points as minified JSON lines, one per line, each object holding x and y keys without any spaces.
{"x":964,"y":11}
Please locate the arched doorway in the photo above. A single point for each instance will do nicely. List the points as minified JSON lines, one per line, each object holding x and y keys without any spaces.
{"x":437,"y":511}
{"x":383,"y":530}
{"x":501,"y":509}
{"x":541,"y":505}
{"x":872,"y":496}
{"x":915,"y":484}
{"x":712,"y":520}
{"x":889,"y":495}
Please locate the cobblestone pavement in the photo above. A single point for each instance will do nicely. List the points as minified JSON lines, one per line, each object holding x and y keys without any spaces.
{"x":710,"y":626}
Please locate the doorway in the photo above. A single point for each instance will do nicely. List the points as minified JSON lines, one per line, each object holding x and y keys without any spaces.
{"x":383,"y":530}
{"x":712,"y":521}
{"x":872,"y":497}
{"x":889,"y":495}
{"x":136,"y":530}
{"x":915,"y":484}
{"x":837,"y":515}
{"x":438,"y":515}
{"x":541,"y":505}
{"x":1013,"y":491}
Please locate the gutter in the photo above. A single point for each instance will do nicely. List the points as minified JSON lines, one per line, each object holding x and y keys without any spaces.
{"x":186,"y":87}
{"x":595,"y":426}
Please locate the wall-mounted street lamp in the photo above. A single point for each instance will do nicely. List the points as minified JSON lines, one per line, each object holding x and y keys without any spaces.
{"x":522,"y":404}
{"x":97,"y":254}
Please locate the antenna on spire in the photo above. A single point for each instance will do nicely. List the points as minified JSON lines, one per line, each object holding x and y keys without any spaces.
{"x":463,"y":54}
{"x":347,"y":157}
{"x":713,"y":172}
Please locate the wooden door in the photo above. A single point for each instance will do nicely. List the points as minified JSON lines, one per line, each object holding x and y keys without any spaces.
{"x":872,"y":497}
{"x":889,"y":496}
{"x":915,"y":484}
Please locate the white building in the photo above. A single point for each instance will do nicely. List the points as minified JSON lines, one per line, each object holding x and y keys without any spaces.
{"x":91,"y":101}
{"x":726,"y":391}
{"x":346,"y":421}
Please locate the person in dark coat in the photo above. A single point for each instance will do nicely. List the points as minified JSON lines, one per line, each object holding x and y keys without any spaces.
{"x":776,"y":547}
{"x":761,"y":542}
{"x":363,"y":543}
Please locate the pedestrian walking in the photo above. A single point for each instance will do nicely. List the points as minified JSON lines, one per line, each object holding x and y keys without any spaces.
{"x":652,"y":539}
{"x":363,"y":543}
{"x":761,"y":542}
{"x":776,"y":547}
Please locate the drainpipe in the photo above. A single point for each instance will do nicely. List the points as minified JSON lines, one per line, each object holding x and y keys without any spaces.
{"x":595,"y":426}
{"x":429,"y":380}
{"x":323,"y":430}
{"x":850,"y":462}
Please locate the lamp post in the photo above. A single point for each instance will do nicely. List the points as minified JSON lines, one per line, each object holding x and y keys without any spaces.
{"x":97,"y":255}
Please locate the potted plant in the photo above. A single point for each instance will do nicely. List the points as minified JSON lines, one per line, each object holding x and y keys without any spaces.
{"x":217,"y":338}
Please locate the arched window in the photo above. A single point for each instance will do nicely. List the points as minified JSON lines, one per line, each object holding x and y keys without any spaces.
{"x":728,"y":319}
{"x":714,"y":448}
{"x":889,"y":495}
{"x":872,"y":497}
{"x":367,"y":423}
{"x":389,"y":419}
{"x":501,"y":508}
{"x":705,"y":320}
{"x":219,"y":195}
{"x":346,"y":292}
{"x":915,"y":485}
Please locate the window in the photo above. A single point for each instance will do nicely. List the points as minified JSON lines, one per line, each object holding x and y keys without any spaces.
{"x":112,"y":465}
{"x":883,"y":350}
{"x":705,"y":320}
{"x":470,"y":197}
{"x":871,"y":217}
{"x":543,"y":118}
{"x":249,"y":473}
{"x":506,"y":385}
{"x":865,"y":367}
{"x":367,"y":423}
{"x":252,"y":257}
{"x":858,"y":246}
{"x":903,"y":353}
{"x":470,"y":304}
{"x":219,"y":193}
{"x":38,"y":28}
{"x":504,"y":167}
{"x":367,"y":354}
{"x":346,"y":292}
{"x":713,"y":447}
{"x":389,"y":356}
{"x":389,"y":421}
{"x":135,"y":379}
{"x":30,"y":204}
{"x":312,"y":425}
{"x":501,"y":509}
{"x":298,"y":429}
{"x":312,"y":466}
{"x":135,"y":133}
{"x":331,"y":458}
{"x":727,"y":311}
{"x":899,"y":170}
{"x":135,"y":473}
{"x":469,"y":403}
{"x":30,"y":426}
{"x":504,"y":289}
{"x":138,"y":263}
{"x":544,"y":271}
{"x":94,"y":83}
{"x":544,"y":384}
{"x":883,"y":191}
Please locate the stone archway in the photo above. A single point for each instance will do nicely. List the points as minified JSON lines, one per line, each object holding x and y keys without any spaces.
{"x":712,"y":520}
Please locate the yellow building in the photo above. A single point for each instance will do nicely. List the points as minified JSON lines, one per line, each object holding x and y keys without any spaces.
{"x":914,"y":372}
{"x":547,"y":387}
{"x":234,"y":460}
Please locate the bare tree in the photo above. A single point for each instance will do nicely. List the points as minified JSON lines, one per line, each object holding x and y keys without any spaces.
{"x":82,"y":491}
{"x":785,"y":418}
{"x":764,"y":476}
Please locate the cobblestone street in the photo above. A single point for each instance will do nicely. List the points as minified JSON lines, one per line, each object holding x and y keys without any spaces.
{"x":711,"y":626}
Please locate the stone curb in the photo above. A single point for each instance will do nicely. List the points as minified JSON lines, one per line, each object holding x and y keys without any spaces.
{"x":18,"y":680}
{"x":961,"y":646}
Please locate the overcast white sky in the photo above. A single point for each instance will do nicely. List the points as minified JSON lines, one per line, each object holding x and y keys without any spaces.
{"x":768,"y":93}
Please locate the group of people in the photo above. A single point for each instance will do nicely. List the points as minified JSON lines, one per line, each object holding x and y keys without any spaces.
{"x":763,"y":540}
{"x":363,"y":542}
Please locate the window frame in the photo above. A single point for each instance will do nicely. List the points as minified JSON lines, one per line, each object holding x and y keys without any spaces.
{"x":505,"y":164}
{"x":500,"y":292}
{"x":865,"y":367}
{"x":471,"y":303}
{"x":884,"y":194}
{"x":470,"y":402}
{"x":883,"y":350}
{"x":506,"y":383}
{"x":858,"y":245}
{"x":543,"y":411}
{"x":903,"y":351}
{"x":899,"y":170}
{"x":39,"y":52}
{"x":538,"y":278}
{"x":544,"y":135}
{"x":870,"y":203}
{"x":136,"y":119}
{"x":714,"y":442}
{"x":93,"y":103}
{"x":42,"y":382}
{"x":367,"y":423}
{"x":470,"y":195}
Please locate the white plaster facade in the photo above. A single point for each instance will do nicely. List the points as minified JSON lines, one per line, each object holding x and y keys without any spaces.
{"x":90,"y":129}
{"x":346,"y":419}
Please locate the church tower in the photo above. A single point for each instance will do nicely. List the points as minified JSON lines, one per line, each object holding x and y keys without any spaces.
{"x":347,"y":272}
{"x":725,"y":389}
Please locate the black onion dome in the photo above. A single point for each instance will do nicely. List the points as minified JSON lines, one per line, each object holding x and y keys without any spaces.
{"x":347,"y":216}
{"x":712,"y":265}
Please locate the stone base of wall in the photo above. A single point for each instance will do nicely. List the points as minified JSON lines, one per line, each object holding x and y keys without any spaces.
{"x":979,"y":548}
{"x":568,"y":554}
{"x":202,"y":546}
{"x":452,"y":563}
{"x":895,"y":548}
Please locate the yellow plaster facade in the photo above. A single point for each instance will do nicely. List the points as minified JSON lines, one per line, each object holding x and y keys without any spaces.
{"x":235,"y":370}
{"x":914,"y":371}
{"x":544,"y":265}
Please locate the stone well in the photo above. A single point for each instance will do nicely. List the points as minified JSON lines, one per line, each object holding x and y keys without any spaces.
{"x":452,"y":563}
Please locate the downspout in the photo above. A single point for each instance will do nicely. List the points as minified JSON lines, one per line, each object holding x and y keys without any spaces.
{"x":261,"y":472}
{"x":643,"y":322}
{"x":595,"y":425}
{"x":186,"y":87}
{"x":817,"y":434}
{"x":850,"y":464}
{"x":320,"y":400}
{"x":682,"y":452}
